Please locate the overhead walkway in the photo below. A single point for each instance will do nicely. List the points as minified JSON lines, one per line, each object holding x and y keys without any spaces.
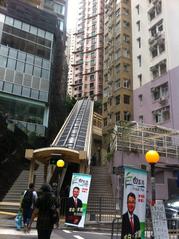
{"x":72,"y":143}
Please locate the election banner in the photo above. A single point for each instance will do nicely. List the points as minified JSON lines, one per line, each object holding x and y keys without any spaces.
{"x":134,"y":200}
{"x":76,"y":205}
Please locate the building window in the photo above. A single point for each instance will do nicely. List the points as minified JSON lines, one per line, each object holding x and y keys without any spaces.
{"x":138,"y":25}
{"x":161,"y":115}
{"x":139,"y":60}
{"x":140,"y":79}
{"x":155,"y":11}
{"x":139,"y":42}
{"x":3,"y":61}
{"x":158,"y":48}
{"x":126,"y":38}
{"x":117,"y":116}
{"x":154,"y":51}
{"x":117,"y":54}
{"x":137,"y":9}
{"x":126,"y":52}
{"x":126,"y":99}
{"x":105,"y":122}
{"x":160,"y":92}
{"x":126,"y":67}
{"x":159,"y":69}
{"x":61,"y":24}
{"x":59,"y":8}
{"x":126,"y":116}
{"x":126,"y":83}
{"x":117,"y":99}
{"x":141,"y":119}
{"x":117,"y":84}
{"x":140,"y":98}
{"x":118,"y":68}
{"x":105,"y":106}
{"x":91,"y":77}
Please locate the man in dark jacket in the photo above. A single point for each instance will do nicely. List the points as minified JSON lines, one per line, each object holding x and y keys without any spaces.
{"x":43,"y":211}
{"x":74,"y":208}
{"x":130,"y":221}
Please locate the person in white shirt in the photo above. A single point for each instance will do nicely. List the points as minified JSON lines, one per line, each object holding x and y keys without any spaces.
{"x":28,"y":204}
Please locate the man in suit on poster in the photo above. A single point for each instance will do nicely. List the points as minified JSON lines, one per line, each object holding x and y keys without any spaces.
{"x":130,"y":221}
{"x":74,"y":208}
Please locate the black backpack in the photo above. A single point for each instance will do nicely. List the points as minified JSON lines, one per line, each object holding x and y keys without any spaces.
{"x":27,"y":199}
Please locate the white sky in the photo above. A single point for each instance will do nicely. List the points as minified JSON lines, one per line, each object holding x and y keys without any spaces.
{"x":71,"y":15}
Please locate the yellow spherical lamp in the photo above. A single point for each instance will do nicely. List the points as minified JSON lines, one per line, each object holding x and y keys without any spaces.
{"x":60,"y":163}
{"x":152,"y":157}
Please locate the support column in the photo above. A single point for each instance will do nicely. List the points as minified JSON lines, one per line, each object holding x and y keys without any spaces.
{"x":31,"y":171}
{"x":45,"y":172}
{"x":29,"y":156}
{"x":82,"y":158}
{"x":82,"y":167}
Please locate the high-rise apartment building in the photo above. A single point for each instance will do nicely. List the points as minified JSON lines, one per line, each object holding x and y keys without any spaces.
{"x":71,"y":43}
{"x":117,"y":69}
{"x":156,"y":62}
{"x":88,"y":66}
{"x":28,"y":55}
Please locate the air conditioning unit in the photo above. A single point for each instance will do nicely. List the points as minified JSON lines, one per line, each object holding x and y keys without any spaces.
{"x":163,"y":100}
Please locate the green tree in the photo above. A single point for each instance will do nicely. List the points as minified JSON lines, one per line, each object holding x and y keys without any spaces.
{"x":69,"y":103}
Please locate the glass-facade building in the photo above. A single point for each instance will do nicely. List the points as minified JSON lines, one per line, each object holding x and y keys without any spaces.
{"x":25,"y":66}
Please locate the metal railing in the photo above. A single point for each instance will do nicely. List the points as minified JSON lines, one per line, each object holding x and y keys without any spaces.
{"x":173,"y":229}
{"x":100,"y":209}
{"x":142,"y":137}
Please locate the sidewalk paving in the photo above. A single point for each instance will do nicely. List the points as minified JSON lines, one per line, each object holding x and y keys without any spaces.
{"x":10,"y":233}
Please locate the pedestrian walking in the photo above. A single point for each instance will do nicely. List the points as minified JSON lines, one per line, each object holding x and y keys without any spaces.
{"x":46,"y":211}
{"x":27,"y":204}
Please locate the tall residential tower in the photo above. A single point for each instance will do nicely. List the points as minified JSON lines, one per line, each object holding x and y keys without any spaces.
{"x":156,"y":62}
{"x":88,"y":66}
{"x":117,"y":71}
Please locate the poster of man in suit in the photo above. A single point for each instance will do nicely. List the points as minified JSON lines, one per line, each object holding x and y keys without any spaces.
{"x":134,"y":203}
{"x":130,"y":221}
{"x":74,"y":207}
{"x":76,"y":204}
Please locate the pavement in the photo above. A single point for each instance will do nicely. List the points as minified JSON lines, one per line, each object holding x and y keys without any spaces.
{"x":10,"y":233}
{"x":8,"y":229}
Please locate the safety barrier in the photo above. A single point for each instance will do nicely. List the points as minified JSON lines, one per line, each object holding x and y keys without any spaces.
{"x":173,"y":229}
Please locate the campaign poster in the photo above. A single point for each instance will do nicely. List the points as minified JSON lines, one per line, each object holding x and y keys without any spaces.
{"x":134,"y":202}
{"x":76,"y":205}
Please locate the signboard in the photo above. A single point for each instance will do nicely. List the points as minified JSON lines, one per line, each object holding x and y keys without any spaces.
{"x":135,"y":182}
{"x":76,"y":205}
{"x":159,"y":220}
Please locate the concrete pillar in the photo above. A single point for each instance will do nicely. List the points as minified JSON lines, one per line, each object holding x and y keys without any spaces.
{"x":45,"y":172}
{"x":82,"y":166}
{"x":29,"y":156}
{"x":82,"y":158}
{"x":31,"y":171}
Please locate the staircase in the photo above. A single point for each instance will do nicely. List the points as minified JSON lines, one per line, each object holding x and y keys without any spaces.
{"x":101,"y":204}
{"x":11,"y":200}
